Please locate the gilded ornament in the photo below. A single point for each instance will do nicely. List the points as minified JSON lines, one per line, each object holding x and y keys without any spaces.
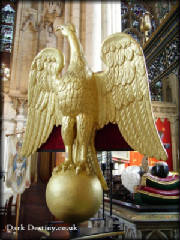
{"x":82,"y":101}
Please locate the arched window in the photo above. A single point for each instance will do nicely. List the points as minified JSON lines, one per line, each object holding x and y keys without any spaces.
{"x":8,"y":11}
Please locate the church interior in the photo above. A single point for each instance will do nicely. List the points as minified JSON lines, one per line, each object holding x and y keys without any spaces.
{"x":139,"y":203}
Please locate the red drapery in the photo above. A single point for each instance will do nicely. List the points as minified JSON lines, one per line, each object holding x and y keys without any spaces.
{"x":108,"y":138}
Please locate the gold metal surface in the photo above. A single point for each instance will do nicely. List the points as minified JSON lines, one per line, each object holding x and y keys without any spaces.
{"x":82,"y":102}
{"x":164,"y":22}
{"x":145,"y":25}
{"x":73,"y":198}
{"x":147,"y":21}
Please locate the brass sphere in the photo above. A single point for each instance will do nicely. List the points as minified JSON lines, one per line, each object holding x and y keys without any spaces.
{"x":73,"y":198}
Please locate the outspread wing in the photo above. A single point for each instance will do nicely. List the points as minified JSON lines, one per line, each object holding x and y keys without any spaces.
{"x":43,"y":111}
{"x":124,"y":95}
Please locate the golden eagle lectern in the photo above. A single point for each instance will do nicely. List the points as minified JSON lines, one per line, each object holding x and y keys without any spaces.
{"x":82,"y":102}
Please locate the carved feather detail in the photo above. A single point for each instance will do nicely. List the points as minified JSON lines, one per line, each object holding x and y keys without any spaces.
{"x":126,"y":82}
{"x":83,"y":101}
{"x":43,"y":109}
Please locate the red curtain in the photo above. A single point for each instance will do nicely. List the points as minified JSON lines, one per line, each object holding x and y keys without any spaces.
{"x":108,"y":138}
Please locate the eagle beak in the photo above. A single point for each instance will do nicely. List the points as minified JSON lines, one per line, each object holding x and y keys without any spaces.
{"x":58,"y":28}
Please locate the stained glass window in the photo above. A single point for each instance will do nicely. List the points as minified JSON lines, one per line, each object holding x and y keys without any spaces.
{"x":7,"y":27}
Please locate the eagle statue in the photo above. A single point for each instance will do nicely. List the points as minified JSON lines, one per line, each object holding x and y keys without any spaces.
{"x":82,"y":101}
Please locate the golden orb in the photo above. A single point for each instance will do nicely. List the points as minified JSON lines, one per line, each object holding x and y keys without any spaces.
{"x":73,"y":198}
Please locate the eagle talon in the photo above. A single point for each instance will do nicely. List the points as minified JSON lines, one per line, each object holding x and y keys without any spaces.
{"x":65,"y":165}
{"x":56,"y":170}
{"x":77,"y":170}
{"x":71,"y":166}
{"x":80,"y":167}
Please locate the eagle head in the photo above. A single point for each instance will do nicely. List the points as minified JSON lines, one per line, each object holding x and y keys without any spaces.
{"x":66,"y":29}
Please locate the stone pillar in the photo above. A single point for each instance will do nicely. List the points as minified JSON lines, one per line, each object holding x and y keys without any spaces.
{"x":83,"y":25}
{"x":76,"y":16}
{"x":111,"y":19}
{"x":93,"y":35}
{"x":29,"y":36}
{"x":102,"y":19}
{"x":66,"y":48}
{"x":34,"y":31}
{"x":25,"y":48}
